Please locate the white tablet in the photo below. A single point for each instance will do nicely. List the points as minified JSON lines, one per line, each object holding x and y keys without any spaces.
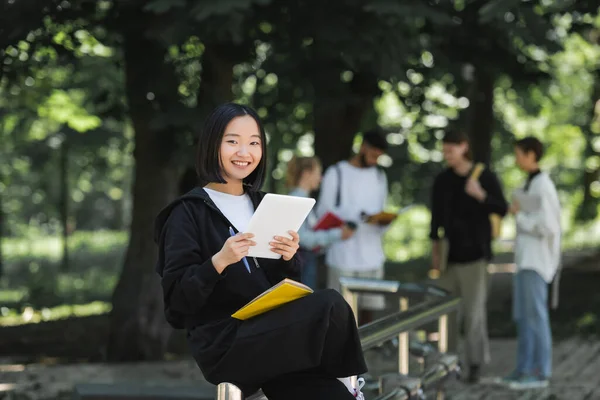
{"x":275,"y":216}
{"x":528,"y":202}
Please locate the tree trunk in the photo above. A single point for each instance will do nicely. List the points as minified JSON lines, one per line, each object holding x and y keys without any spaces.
{"x":588,"y":210}
{"x":1,"y":233}
{"x":275,"y":145}
{"x":337,"y":119}
{"x":216,"y":83}
{"x":216,"y":79}
{"x":138,"y":329}
{"x":64,"y":201}
{"x":480,"y":119}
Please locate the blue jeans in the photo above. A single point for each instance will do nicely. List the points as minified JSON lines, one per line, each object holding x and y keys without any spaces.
{"x":530,"y":312}
{"x":309,"y":269}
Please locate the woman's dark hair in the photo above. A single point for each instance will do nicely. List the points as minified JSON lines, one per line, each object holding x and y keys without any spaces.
{"x":376,"y":139}
{"x":531,"y":143}
{"x":458,"y":137}
{"x":208,"y":161}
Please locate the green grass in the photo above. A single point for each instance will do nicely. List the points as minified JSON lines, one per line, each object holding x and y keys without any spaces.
{"x":33,"y":275}
{"x":51,"y":248}
{"x":9,"y":296}
{"x":29,"y":315}
{"x":33,"y":287}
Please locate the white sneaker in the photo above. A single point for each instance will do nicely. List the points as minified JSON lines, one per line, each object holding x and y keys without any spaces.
{"x":529,"y":382}
{"x":357,"y":393}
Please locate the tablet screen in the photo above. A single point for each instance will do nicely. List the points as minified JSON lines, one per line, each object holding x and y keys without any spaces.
{"x":275,"y":216}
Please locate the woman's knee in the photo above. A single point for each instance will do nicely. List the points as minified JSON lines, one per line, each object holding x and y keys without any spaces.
{"x":295,"y":387}
{"x":332,"y":297}
{"x":335,"y":305}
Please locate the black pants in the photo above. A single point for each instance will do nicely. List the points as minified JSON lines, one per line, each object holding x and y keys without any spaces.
{"x":298,"y":349}
{"x":304,"y":386}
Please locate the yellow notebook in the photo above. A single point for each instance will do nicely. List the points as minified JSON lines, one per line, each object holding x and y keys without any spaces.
{"x":383,"y":218}
{"x":284,"y":292}
{"x":495,"y":219}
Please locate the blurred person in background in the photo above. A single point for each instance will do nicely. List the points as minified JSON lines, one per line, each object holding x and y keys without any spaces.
{"x":537,"y":256}
{"x":354,"y":189}
{"x":304,"y":177}
{"x":460,"y":207}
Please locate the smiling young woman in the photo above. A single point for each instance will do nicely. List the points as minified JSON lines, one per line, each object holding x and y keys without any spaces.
{"x":301,"y":347}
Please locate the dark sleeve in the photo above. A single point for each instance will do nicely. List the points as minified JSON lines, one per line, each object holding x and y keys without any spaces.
{"x":188,"y":276}
{"x":437,"y":208}
{"x":277,"y":270}
{"x":495,"y":203}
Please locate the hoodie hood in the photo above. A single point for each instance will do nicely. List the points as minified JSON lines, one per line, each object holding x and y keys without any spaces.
{"x":197,"y":195}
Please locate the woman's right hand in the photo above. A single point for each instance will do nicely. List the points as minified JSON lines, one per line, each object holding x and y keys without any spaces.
{"x":234,"y":249}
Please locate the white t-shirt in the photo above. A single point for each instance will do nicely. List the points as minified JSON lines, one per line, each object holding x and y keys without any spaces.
{"x":363,"y":190}
{"x":538,"y":241}
{"x":237,"y":209}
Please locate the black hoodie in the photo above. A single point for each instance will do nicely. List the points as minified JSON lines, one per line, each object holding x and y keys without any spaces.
{"x":189,"y":231}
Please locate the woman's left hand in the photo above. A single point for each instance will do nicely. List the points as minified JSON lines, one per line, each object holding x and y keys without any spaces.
{"x":474,"y":189}
{"x":286,"y":247}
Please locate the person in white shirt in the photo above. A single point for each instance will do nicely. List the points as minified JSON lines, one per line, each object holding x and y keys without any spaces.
{"x":537,"y":256}
{"x":352,"y":190}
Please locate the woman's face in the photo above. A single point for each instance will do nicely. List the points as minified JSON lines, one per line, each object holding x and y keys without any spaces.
{"x":525,"y":161}
{"x":454,"y":153}
{"x":315,"y":176}
{"x":241,"y":148}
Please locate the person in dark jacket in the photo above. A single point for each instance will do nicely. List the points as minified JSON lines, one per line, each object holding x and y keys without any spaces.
{"x":461,"y":208}
{"x":308,"y":348}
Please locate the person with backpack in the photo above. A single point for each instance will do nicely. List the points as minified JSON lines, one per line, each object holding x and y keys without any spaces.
{"x":461,"y":206}
{"x":354,"y":189}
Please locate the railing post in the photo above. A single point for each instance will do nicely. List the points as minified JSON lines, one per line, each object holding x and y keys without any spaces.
{"x":443,"y":334}
{"x":403,"y":343}
{"x":228,"y":391}
{"x":352,"y":299}
{"x":453,"y":328}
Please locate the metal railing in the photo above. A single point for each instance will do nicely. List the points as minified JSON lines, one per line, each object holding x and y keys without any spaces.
{"x":228,"y":391}
{"x":435,"y":305}
{"x":440,"y":306}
